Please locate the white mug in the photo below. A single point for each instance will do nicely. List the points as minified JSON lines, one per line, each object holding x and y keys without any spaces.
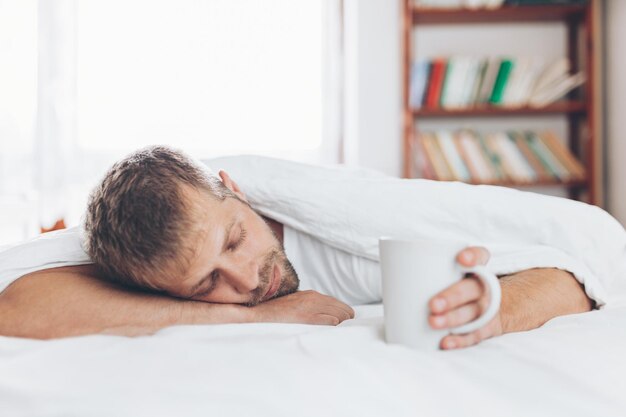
{"x":413,"y":271}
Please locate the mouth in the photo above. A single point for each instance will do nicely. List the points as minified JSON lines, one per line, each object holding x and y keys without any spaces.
{"x":274,"y":283}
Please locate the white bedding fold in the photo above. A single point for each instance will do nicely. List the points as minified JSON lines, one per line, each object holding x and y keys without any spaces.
{"x":350,"y":209}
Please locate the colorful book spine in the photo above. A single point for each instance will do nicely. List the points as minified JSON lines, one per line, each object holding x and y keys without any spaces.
{"x":493,"y":157}
{"x":436,"y":157}
{"x":469,"y":163}
{"x":419,"y":81}
{"x":513,"y":157}
{"x":501,"y":82}
{"x":570,"y":162}
{"x":435,"y":82}
{"x":423,"y":163}
{"x":547,"y":158}
{"x":449,"y":151}
{"x":474,"y":149}
{"x":522,"y":143}
{"x":494,"y":143}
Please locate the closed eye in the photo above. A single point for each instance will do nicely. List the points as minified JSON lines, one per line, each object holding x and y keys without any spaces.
{"x":213,"y":277}
{"x":240,"y":240}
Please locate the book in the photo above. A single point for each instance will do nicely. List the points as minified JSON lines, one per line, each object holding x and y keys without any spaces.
{"x":478,"y":82}
{"x":493,"y":144}
{"x":489,"y":79}
{"x":524,"y":169}
{"x":492,"y":157}
{"x":423,"y":165}
{"x":559,"y":150}
{"x":542,"y":173}
{"x":454,"y":82}
{"x":557,"y":90}
{"x":419,"y":80}
{"x":447,"y":87}
{"x":472,"y":154}
{"x":526,"y":81}
{"x":471,"y":167}
{"x":547,"y":158}
{"x":471,"y":79}
{"x":450,"y":153}
{"x":501,"y":81}
{"x":513,"y":160}
{"x":435,"y":156}
{"x":435,"y":83}
{"x":550,"y":74}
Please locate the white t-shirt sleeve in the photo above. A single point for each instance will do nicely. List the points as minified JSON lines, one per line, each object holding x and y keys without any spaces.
{"x":49,"y":250}
{"x":352,"y":279}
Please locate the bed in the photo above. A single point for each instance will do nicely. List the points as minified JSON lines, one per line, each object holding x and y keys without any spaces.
{"x":572,"y":366}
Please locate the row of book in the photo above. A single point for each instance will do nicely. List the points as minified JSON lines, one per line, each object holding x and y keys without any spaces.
{"x":464,"y":82}
{"x":512,"y":156}
{"x":490,"y":4}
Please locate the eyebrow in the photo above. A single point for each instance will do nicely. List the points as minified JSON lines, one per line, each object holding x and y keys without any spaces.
{"x":226,"y":236}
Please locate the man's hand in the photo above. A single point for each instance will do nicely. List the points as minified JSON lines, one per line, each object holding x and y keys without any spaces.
{"x":309,"y":307}
{"x":529,"y":299}
{"x":463,"y":302}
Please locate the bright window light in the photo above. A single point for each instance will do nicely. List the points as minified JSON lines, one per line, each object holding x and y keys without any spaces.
{"x":215,"y":76}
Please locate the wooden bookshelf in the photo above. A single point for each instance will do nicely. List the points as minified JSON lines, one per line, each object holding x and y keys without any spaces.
{"x":578,"y":108}
{"x":505,"y":14}
{"x":569,"y":106}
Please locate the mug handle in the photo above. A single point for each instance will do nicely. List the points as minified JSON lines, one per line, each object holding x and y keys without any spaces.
{"x":489,"y":280}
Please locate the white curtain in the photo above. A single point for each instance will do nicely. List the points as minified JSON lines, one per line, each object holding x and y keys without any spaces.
{"x":210,"y":77}
{"x":55,"y":135}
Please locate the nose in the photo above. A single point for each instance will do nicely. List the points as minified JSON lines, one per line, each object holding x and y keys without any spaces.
{"x":243,"y":276}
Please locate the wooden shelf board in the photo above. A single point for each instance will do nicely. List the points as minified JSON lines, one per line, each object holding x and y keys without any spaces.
{"x":564,"y":107}
{"x":572,"y":183}
{"x":504,"y":14}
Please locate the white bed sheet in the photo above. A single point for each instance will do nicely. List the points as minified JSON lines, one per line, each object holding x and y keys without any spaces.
{"x":572,"y":366}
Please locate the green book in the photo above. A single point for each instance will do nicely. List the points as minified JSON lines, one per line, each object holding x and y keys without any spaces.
{"x":493,"y":157}
{"x":506,"y":66}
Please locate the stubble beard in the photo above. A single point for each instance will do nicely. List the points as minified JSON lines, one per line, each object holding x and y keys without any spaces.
{"x":289,"y":277}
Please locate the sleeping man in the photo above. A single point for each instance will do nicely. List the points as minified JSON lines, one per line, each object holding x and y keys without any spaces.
{"x":167,"y":242}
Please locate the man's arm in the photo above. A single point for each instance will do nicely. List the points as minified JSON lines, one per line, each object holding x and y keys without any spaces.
{"x":529,"y":299}
{"x":72,"y":301}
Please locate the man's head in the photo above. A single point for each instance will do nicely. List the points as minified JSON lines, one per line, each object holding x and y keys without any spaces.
{"x":160,"y":221}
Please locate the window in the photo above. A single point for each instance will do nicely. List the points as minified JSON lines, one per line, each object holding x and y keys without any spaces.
{"x":211,"y":77}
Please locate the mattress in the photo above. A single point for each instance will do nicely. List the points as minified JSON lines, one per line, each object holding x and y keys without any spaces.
{"x":572,"y":366}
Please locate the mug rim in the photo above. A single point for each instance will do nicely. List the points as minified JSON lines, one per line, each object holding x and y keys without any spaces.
{"x":422,"y":240}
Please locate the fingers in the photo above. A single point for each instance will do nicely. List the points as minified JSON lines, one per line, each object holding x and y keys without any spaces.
{"x":344,"y":311}
{"x":330,"y":311}
{"x":454,"y":341}
{"x":456,"y":295}
{"x":456,"y":317}
{"x":473,"y":255}
{"x":326,"y":319}
{"x":340,"y":313}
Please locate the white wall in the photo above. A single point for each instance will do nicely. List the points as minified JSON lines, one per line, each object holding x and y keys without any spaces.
{"x":373,"y":122}
{"x":616,"y":107}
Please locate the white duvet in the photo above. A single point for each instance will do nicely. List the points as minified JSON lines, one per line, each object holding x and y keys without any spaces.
{"x":572,"y":367}
{"x":351,"y":210}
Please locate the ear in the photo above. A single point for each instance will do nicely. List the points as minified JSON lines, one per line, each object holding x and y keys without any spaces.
{"x":232,"y":185}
